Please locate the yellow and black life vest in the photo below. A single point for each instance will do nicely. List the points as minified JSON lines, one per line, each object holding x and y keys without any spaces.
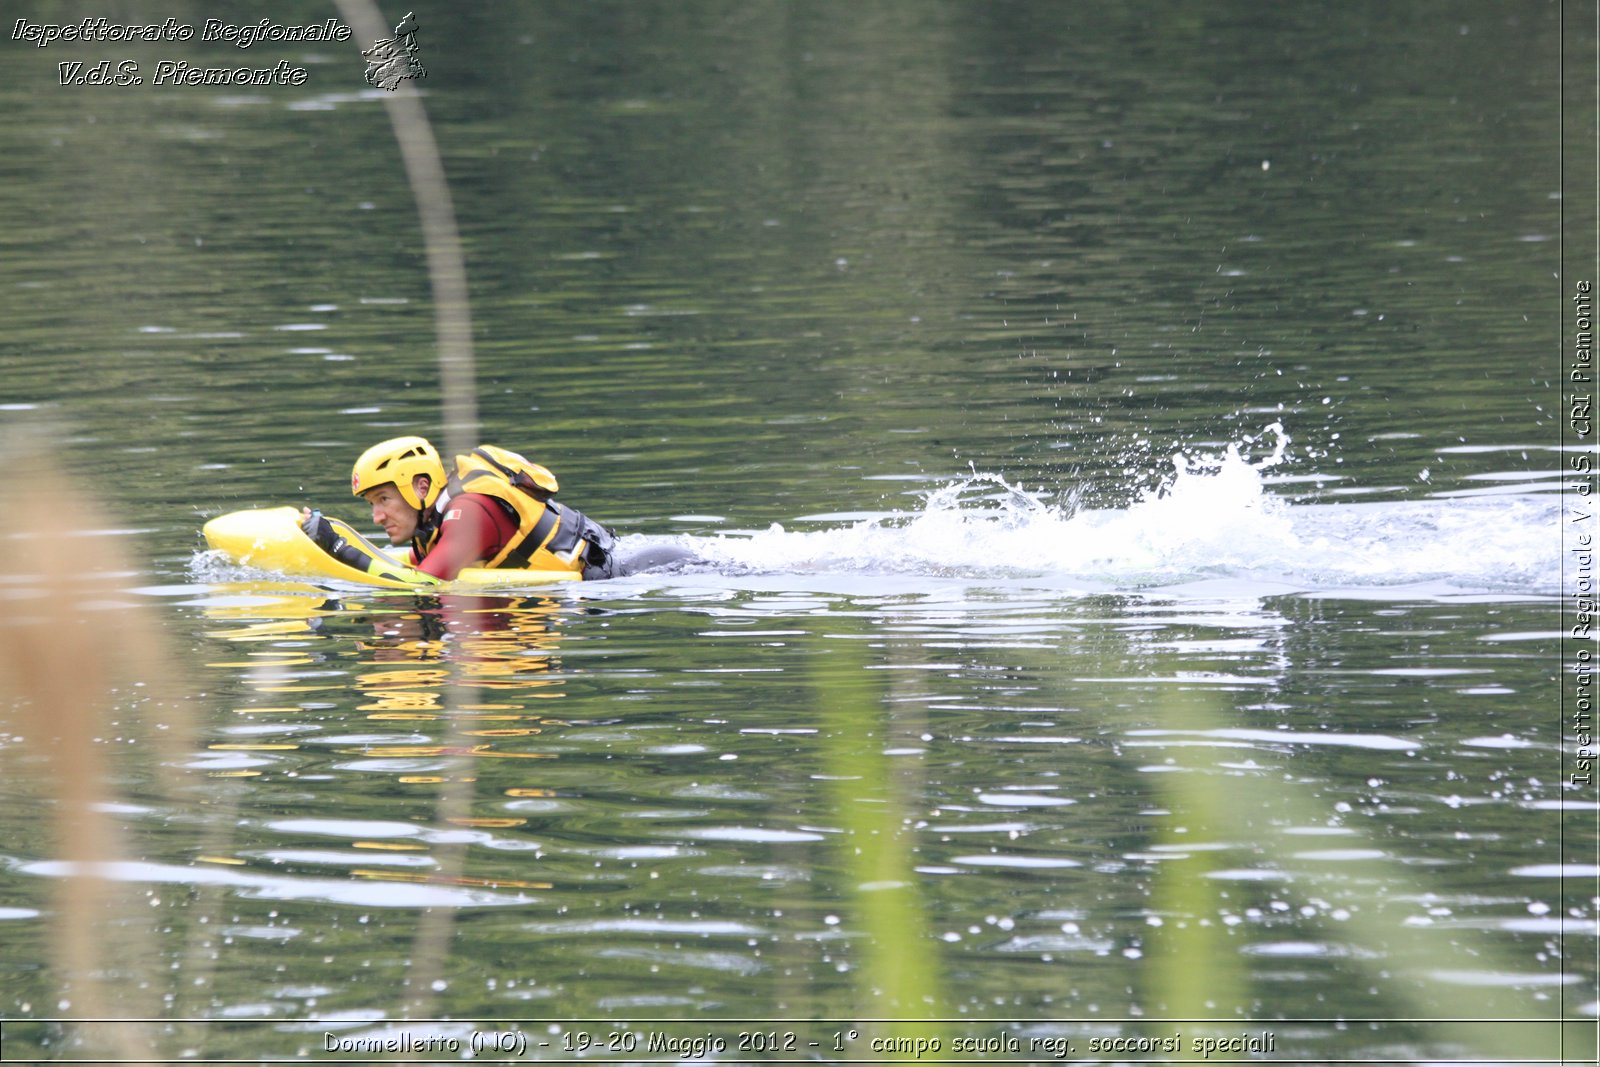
{"x":550,"y":536}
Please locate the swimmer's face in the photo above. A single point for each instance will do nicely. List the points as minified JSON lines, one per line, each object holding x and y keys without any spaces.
{"x":390,"y":510}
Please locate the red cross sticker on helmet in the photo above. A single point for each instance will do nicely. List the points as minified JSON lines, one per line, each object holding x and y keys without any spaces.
{"x":355,"y":483}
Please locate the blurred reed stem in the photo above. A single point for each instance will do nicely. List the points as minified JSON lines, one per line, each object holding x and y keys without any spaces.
{"x":72,"y":652}
{"x":899,"y":974}
{"x":447,"y":274}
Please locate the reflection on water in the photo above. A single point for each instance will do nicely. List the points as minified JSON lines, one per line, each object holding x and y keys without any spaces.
{"x":660,"y":773}
{"x":406,"y":654}
{"x":636,"y":821}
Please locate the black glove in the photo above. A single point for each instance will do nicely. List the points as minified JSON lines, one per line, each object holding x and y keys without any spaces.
{"x":320,"y":530}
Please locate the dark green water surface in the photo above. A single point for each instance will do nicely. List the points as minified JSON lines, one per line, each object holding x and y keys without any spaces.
{"x":972,"y":706}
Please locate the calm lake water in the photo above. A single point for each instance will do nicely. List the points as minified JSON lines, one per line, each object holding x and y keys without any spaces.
{"x":1118,"y":453}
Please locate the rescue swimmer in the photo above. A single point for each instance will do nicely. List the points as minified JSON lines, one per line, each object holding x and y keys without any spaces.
{"x":495,"y":510}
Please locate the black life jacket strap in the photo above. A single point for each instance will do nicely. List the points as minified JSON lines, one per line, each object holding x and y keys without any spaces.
{"x":536,"y":538}
{"x":427,"y":531}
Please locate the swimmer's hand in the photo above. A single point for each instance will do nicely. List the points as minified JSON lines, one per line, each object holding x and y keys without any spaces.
{"x":319,"y":529}
{"x":324,"y":536}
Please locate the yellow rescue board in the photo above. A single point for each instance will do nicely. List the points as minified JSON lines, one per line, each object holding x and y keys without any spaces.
{"x":271,"y":538}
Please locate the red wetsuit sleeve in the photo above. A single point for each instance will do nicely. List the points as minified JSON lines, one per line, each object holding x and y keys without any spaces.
{"x":474,"y":529}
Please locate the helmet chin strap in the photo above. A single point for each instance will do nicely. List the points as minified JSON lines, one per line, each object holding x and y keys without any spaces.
{"x":428,"y":516}
{"x":428,"y":519}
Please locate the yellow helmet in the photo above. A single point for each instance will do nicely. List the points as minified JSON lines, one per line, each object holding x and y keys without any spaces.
{"x":398,"y":461}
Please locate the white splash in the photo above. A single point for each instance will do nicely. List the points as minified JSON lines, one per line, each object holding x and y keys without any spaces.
{"x":1212,"y":517}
